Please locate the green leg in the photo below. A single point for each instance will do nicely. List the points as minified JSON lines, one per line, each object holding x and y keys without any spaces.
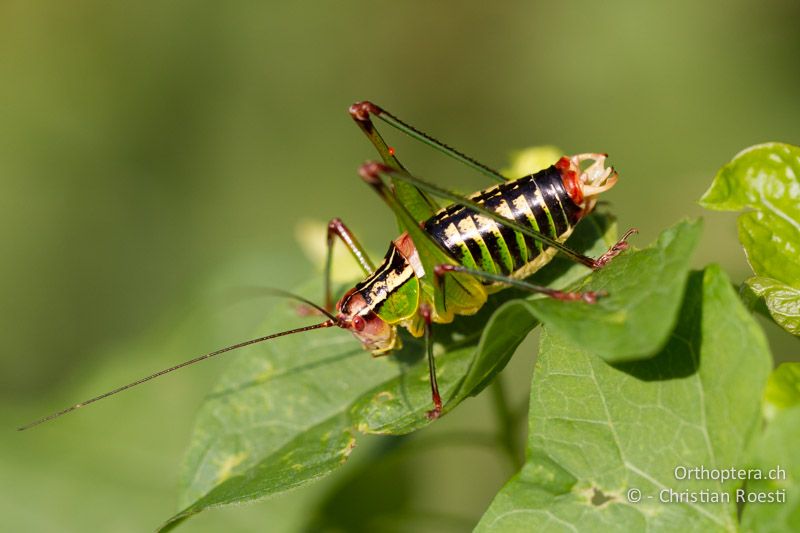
{"x":376,"y":170}
{"x":336,"y":228}
{"x":361,"y":111}
{"x":420,"y":205}
{"x":588,"y":296}
{"x":466,"y":293}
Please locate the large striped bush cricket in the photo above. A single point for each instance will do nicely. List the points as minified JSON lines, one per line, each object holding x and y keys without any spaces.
{"x":448,"y":260}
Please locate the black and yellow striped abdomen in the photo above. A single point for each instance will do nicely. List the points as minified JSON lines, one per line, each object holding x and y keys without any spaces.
{"x":538,"y":201}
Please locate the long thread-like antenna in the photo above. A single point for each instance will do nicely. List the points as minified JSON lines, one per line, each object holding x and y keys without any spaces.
{"x":248,"y":290}
{"x":326,"y":324}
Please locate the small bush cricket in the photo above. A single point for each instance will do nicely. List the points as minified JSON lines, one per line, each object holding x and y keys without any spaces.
{"x":449,"y":259}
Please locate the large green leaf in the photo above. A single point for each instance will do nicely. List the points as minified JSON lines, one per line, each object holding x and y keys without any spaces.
{"x":775,"y":456}
{"x":599,"y":431}
{"x":766,"y":179}
{"x":645,"y":289}
{"x":286,"y":412}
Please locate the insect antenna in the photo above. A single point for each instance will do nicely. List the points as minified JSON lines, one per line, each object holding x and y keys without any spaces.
{"x":245,"y":292}
{"x":328,"y":323}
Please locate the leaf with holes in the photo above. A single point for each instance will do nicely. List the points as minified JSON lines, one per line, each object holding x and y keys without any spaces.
{"x":603,"y":436}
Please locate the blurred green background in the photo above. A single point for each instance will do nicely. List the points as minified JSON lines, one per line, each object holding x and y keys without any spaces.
{"x":155,"y":154}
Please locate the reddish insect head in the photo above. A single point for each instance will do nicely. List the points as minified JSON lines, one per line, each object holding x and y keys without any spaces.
{"x":355,"y":315}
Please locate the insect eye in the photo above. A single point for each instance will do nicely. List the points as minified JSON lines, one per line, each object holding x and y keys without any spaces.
{"x":359,"y":323}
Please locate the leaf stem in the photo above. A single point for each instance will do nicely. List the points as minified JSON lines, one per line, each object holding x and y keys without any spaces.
{"x":507,"y":422}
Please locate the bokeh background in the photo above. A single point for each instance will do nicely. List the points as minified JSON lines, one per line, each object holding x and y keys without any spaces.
{"x":155,"y":154}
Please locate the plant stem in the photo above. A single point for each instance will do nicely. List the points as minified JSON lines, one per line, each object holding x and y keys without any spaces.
{"x":507,"y":422}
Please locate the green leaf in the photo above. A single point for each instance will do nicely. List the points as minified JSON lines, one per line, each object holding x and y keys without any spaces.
{"x":776,"y":449}
{"x":766,"y":179}
{"x":645,"y":289}
{"x":782,"y":301}
{"x":763,"y":177}
{"x":772,"y":245}
{"x":313,"y":453}
{"x":783,"y":389}
{"x":287,"y":412}
{"x":598,"y":430}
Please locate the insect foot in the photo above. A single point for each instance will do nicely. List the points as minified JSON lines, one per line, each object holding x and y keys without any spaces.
{"x":614,"y":251}
{"x":436,"y":412}
{"x":590,"y":297}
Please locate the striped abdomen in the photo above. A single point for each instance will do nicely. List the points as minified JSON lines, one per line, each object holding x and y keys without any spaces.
{"x":538,"y":201}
